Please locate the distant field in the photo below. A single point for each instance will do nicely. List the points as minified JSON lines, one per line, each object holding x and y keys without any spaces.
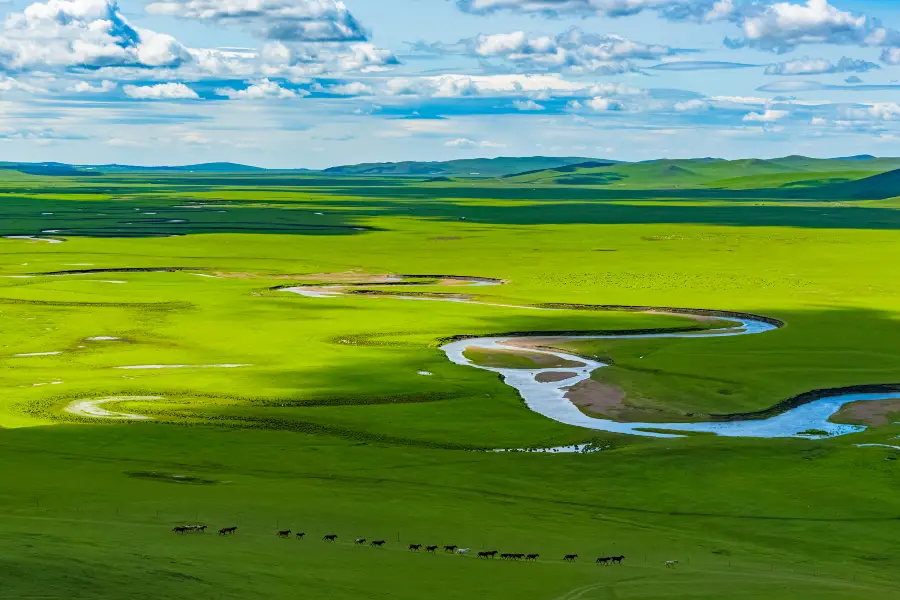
{"x":272,"y":410}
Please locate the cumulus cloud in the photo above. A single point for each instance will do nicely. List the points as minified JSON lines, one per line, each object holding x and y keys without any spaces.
{"x":572,"y":50}
{"x":678,"y":10}
{"x":353,"y":88}
{"x":86,"y":87}
{"x":819,"y":66}
{"x":528,"y":105}
{"x":456,"y":85}
{"x":160,"y":91}
{"x":86,"y":34}
{"x":783,"y":26}
{"x":299,"y":61}
{"x":766,"y":116}
{"x":284,"y":20}
{"x":878,"y":111}
{"x":260,"y":90}
{"x":695,"y":105}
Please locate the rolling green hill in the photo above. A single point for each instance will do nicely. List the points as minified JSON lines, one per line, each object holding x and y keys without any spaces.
{"x":476,"y":167}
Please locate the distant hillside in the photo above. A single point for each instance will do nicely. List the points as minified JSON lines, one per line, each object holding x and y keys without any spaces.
{"x":877,"y":187}
{"x":789,"y":171}
{"x":476,"y":167}
{"x":217,"y":167}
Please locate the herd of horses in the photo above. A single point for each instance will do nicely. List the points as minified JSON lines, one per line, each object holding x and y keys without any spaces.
{"x":453,"y":549}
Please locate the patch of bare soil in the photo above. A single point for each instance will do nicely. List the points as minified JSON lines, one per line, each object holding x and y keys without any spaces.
{"x":597,"y":397}
{"x":553,"y":376}
{"x":534,"y":343}
{"x":870,"y":412}
{"x":512,"y":359}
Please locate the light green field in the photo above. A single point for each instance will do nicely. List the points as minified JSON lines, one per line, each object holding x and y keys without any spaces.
{"x":329,"y":427}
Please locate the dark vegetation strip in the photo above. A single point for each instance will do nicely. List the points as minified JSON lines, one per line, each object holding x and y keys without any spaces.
{"x":123,"y":270}
{"x":705,"y":312}
{"x":161,"y":306}
{"x":806,"y":398}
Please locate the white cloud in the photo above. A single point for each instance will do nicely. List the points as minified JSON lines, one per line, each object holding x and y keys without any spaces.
{"x":527,"y":105}
{"x":692,"y":105}
{"x":85,"y":87}
{"x":782,"y":26}
{"x":90,"y":34}
{"x":353,"y":88}
{"x":819,"y":66}
{"x":467,"y":143}
{"x":600,"y":104}
{"x":285,"y":20}
{"x":878,"y":111}
{"x":572,"y":50}
{"x":766,"y":116}
{"x":454,"y":85}
{"x":260,"y":90}
{"x":698,"y":10}
{"x":161,"y":91}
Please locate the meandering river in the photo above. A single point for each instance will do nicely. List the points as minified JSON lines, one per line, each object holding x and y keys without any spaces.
{"x":548,"y":398}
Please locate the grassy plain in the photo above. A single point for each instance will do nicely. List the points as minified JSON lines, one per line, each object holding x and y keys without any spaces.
{"x":330,"y":428}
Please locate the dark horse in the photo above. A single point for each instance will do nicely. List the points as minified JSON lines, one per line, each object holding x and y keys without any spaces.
{"x":430,"y":549}
{"x":179,"y":529}
{"x":329,"y":538}
{"x":570,"y":557}
{"x":415,"y":547}
{"x":300,"y":535}
{"x":488,"y":554}
{"x":284,"y":533}
{"x":450,"y":548}
{"x":617,"y":559}
{"x":603,"y":560}
{"x":532,"y":557}
{"x":227,"y":530}
{"x":377,"y":544}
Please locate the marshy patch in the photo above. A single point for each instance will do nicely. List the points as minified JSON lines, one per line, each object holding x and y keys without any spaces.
{"x":170,"y":478}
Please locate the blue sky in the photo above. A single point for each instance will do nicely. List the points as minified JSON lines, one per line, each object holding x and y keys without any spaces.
{"x":313,"y":83}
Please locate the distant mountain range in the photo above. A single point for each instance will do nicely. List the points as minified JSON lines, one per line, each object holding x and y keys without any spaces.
{"x":850,"y":176}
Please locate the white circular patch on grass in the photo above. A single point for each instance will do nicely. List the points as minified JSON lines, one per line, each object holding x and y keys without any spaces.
{"x":91,"y":408}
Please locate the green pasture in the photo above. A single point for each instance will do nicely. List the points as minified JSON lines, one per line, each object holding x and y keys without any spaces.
{"x":280,"y":411}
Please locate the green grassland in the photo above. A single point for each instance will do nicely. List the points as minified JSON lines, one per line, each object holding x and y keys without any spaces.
{"x":329,"y":427}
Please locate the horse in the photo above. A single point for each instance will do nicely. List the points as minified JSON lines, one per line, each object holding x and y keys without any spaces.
{"x":518,"y":556}
{"x":570,"y":557}
{"x":604,"y":560}
{"x":450,"y":548}
{"x":670,"y":564}
{"x":506,"y":556}
{"x":431,"y":549}
{"x":532,"y":557}
{"x":227,"y":530}
{"x":415,"y":547}
{"x":617,"y":559}
{"x":300,"y":535}
{"x":284,"y":533}
{"x":487,"y":554}
{"x":359,"y":541}
{"x":179,"y":529}
{"x":462,"y":551}
{"x":329,"y":538}
{"x":377,"y":544}
{"x":200,"y":528}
